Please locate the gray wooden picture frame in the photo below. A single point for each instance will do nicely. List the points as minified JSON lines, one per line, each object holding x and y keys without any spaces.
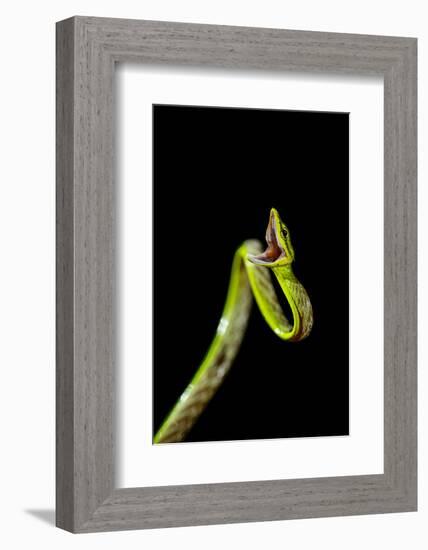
{"x":87,"y":51}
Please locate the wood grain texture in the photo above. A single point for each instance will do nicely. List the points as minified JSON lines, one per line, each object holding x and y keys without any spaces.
{"x":87,"y":50}
{"x":64,"y":277}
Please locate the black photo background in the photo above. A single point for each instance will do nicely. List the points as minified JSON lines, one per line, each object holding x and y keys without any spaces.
{"x":217,"y":173}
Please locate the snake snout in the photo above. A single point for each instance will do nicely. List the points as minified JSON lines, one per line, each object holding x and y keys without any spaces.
{"x":275,"y":252}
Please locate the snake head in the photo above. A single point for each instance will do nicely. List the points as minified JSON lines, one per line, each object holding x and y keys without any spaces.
{"x":279,"y":249}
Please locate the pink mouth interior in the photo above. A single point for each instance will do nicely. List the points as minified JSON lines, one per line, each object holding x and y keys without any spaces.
{"x":273,"y":251}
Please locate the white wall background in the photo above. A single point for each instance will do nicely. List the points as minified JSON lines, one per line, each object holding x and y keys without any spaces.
{"x":27,"y":272}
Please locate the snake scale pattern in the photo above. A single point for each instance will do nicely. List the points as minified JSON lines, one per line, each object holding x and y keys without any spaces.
{"x":250,"y":276}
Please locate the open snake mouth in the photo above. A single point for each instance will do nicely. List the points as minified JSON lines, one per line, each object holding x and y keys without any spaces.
{"x":274,"y":251}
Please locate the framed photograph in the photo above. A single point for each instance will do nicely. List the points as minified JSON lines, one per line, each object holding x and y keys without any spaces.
{"x":236,"y":274}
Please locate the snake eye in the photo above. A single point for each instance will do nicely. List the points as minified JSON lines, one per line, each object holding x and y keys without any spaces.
{"x":284,"y":233}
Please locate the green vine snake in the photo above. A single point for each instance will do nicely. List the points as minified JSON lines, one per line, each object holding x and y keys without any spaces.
{"x":249,"y":277}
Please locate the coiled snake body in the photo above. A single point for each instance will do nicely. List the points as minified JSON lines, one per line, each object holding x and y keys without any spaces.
{"x":249,"y":277}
